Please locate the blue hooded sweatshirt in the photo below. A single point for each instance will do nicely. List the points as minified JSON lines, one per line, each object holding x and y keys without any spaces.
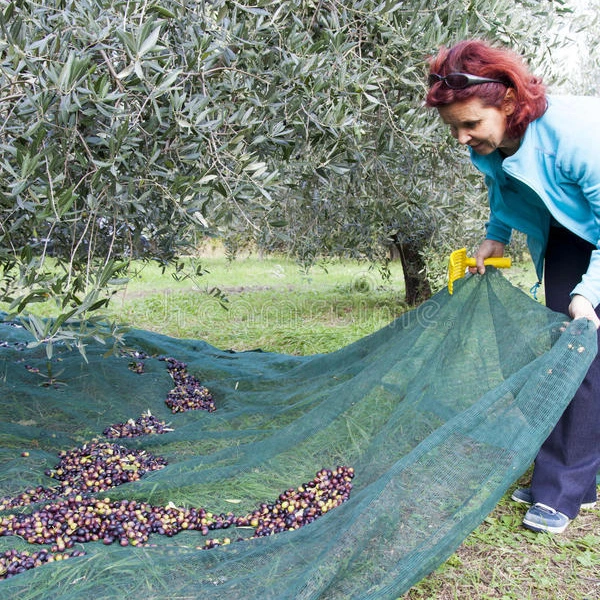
{"x":555,"y":174}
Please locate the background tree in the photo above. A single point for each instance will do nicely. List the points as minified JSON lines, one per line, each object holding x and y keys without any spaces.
{"x":136,"y":129}
{"x":396,"y":182}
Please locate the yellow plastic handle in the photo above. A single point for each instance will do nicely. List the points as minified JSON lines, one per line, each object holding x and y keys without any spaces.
{"x":503,"y":262}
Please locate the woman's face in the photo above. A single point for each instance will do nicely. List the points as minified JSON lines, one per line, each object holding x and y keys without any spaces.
{"x":481,"y":127}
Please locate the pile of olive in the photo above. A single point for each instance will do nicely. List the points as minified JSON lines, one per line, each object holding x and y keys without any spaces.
{"x":13,"y":562}
{"x":93,"y":467}
{"x":98,"y":466}
{"x":80,"y":519}
{"x":295,"y":508}
{"x":188,"y":393}
{"x":146,"y":424}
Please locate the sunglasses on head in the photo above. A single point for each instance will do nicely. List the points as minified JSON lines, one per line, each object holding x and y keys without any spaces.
{"x":460,"y":81}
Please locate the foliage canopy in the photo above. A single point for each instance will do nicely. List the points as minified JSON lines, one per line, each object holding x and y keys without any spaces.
{"x":136,"y":129}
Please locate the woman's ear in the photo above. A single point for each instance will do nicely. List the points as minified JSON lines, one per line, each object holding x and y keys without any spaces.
{"x":509,"y":102}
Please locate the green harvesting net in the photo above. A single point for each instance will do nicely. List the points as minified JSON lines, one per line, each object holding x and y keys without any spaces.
{"x":345,"y":475}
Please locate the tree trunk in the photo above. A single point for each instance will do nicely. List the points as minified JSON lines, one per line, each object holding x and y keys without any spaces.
{"x":413,"y":266}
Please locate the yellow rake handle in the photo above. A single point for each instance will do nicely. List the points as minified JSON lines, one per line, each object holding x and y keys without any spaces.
{"x":503,"y":262}
{"x":459,"y":262}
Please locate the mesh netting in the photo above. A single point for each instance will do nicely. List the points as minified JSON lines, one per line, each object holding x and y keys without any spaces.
{"x":437,"y":414}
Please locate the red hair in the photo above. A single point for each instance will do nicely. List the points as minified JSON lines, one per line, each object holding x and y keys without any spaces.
{"x":477,"y":57}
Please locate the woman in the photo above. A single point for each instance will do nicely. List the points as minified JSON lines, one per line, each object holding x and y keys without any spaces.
{"x":540,"y":155}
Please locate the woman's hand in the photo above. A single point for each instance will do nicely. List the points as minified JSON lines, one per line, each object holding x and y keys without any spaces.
{"x":581,"y":308}
{"x":487,"y":249}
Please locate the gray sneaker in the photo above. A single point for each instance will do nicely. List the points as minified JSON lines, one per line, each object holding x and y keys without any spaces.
{"x":523,"y":495}
{"x":544,"y":518}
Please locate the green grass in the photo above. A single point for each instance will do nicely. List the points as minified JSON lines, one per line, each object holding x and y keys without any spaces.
{"x":269,"y":304}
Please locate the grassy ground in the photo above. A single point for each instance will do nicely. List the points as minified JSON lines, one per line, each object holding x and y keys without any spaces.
{"x":272,"y":305}
{"x":269,"y":304}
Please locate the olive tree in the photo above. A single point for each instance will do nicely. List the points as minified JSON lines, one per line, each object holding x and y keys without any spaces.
{"x":127,"y":130}
{"x":132,"y":130}
{"x":389,"y":180}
